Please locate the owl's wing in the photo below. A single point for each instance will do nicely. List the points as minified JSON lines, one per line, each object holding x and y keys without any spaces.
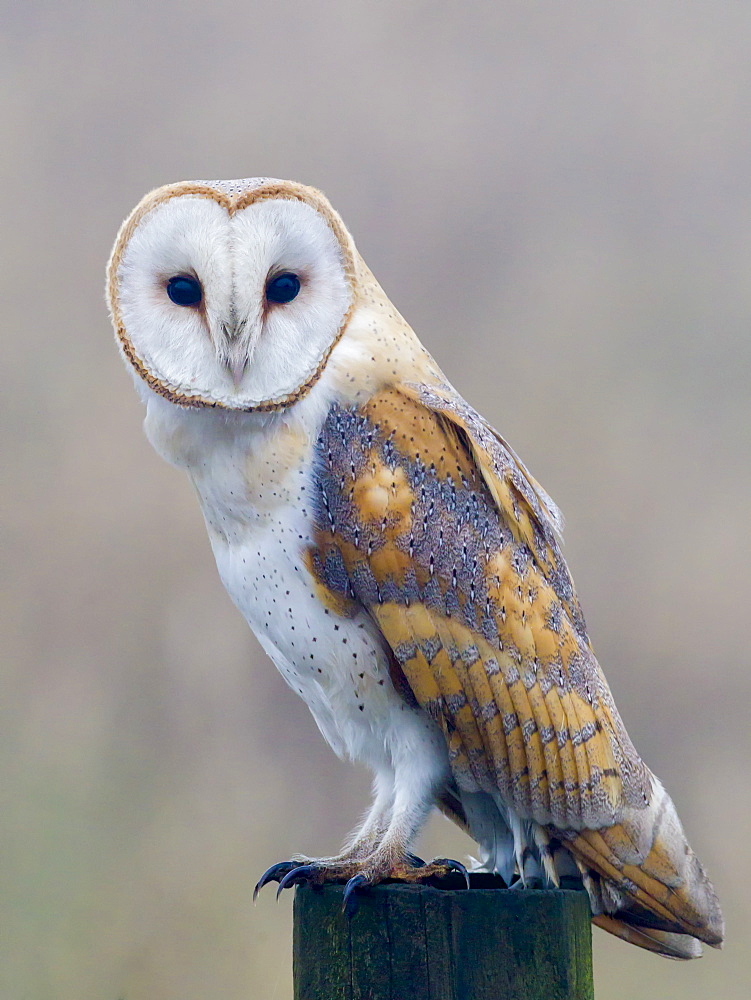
{"x":432,"y":524}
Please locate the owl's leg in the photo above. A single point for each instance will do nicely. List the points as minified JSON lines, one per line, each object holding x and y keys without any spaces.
{"x":381,"y":849}
{"x":363,"y":841}
{"x":366,"y":838}
{"x":420,"y":773}
{"x":370,"y":834}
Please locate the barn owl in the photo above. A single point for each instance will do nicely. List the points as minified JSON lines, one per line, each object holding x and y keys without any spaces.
{"x":394,"y":557}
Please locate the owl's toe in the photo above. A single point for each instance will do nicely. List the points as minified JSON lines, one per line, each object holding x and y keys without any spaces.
{"x":451,"y":866}
{"x":415,"y":870}
{"x":301,"y":873}
{"x":412,"y":869}
{"x":275,"y":874}
{"x":349,"y":900}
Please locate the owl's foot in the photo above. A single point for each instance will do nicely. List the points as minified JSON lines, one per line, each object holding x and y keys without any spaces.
{"x":358,"y":874}
{"x":311,"y":870}
{"x":316,"y":871}
{"x":412,"y":869}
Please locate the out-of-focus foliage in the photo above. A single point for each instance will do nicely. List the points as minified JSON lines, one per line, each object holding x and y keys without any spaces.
{"x":557,"y":197}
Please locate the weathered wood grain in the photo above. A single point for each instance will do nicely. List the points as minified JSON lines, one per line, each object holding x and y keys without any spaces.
{"x":410,"y":942}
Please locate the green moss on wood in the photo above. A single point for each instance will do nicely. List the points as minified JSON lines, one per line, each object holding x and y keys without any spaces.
{"x":409,"y":942}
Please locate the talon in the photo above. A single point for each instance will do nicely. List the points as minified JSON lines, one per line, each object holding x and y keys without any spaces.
{"x":274,"y":874}
{"x":350,"y":901}
{"x":300,"y":873}
{"x":455,"y":866}
{"x":415,"y":861}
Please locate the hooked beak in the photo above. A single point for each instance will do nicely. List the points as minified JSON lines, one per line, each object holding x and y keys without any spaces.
{"x":235,"y":352}
{"x":237,"y":366}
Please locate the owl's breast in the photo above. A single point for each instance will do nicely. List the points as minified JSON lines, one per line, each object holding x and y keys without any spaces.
{"x":332,"y":655}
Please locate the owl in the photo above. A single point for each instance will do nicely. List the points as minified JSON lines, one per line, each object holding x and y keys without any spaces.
{"x":394,"y":558}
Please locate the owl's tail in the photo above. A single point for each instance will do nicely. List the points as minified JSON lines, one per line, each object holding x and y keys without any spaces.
{"x":665,"y":943}
{"x":645,"y":883}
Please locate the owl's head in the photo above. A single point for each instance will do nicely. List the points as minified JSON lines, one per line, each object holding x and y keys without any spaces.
{"x":231,"y":294}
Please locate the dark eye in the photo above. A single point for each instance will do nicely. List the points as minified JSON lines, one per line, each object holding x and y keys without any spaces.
{"x":184,"y":291}
{"x":283,"y":288}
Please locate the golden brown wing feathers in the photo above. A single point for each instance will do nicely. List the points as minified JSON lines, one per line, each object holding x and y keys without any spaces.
{"x":434,"y":526}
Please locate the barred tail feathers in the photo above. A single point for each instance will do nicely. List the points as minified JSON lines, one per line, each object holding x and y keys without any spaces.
{"x":647,"y":874}
{"x":645,"y":884}
{"x":665,"y":943}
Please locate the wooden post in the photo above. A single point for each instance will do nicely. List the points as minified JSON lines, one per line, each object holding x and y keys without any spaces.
{"x":415,"y":942}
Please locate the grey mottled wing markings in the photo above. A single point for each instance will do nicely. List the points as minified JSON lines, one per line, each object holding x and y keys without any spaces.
{"x":456,"y":527}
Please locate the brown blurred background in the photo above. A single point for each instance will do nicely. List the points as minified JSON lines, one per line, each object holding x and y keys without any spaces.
{"x":557,"y":197}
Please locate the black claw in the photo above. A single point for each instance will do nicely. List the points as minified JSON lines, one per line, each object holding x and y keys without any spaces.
{"x":274,"y":874}
{"x":455,"y":866}
{"x":413,"y":860}
{"x":350,"y":902}
{"x":298,"y":874}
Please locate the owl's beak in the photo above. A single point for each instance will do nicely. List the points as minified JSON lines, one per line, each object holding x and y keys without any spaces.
{"x":234,"y":353}
{"x":237,"y":368}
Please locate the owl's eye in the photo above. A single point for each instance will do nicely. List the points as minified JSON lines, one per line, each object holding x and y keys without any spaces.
{"x":184,"y":291}
{"x":283,"y":288}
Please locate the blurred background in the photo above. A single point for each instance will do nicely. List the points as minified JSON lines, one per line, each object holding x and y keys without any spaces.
{"x":557,"y":197}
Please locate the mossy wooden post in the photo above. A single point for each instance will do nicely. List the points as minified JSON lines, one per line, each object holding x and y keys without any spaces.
{"x":410,"y":942}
